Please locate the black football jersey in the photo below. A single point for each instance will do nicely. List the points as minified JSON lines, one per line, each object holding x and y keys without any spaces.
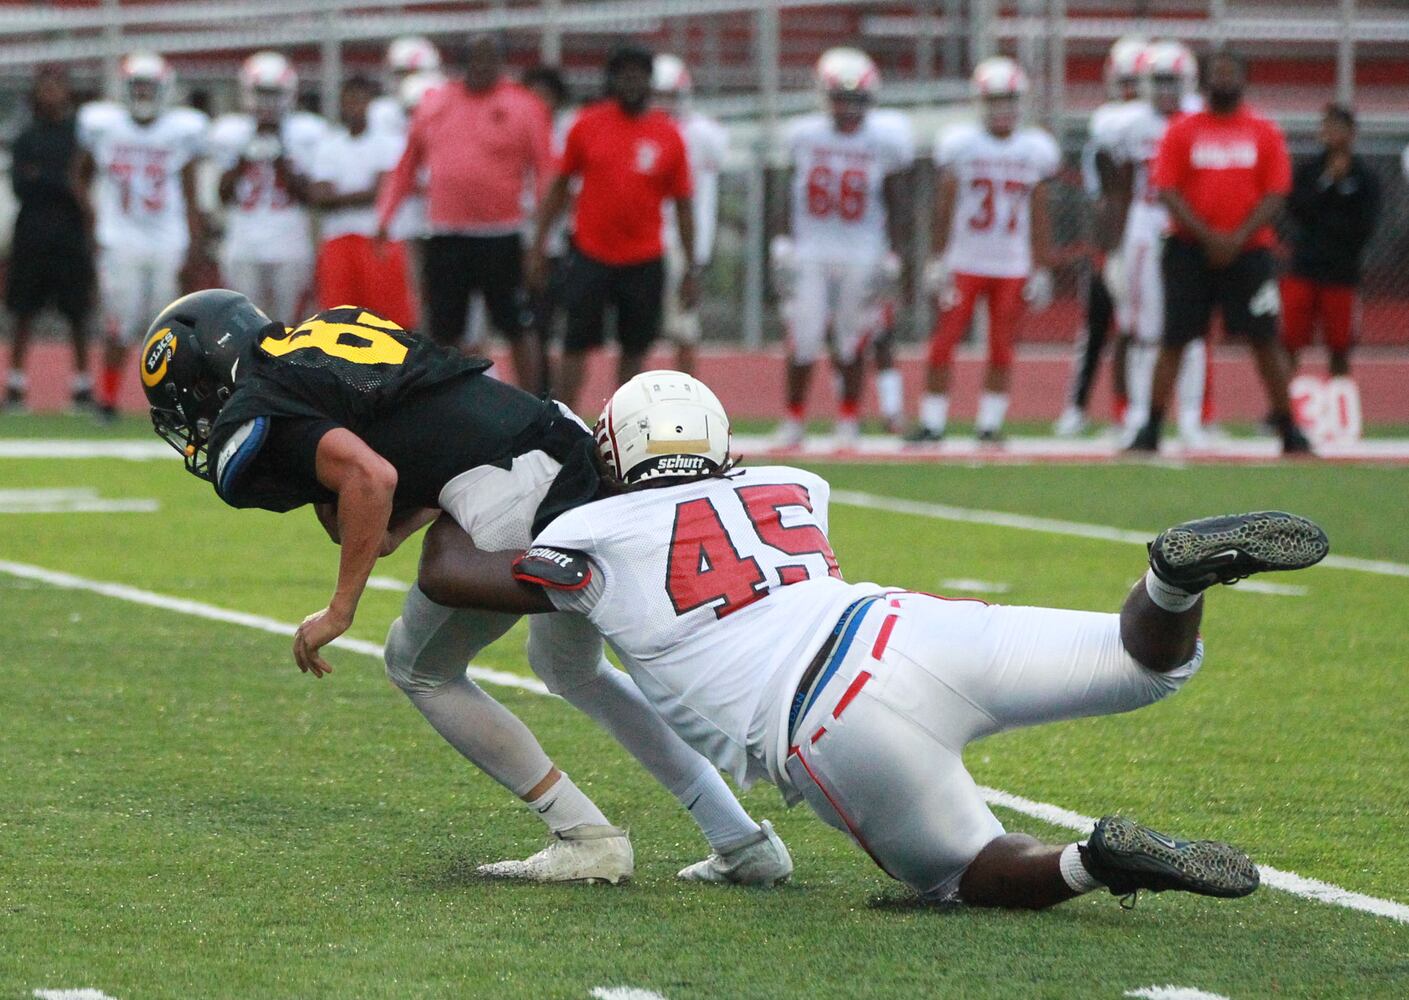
{"x":430,"y":412}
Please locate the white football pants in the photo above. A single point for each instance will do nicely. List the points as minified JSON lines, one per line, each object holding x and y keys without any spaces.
{"x":879,"y":754}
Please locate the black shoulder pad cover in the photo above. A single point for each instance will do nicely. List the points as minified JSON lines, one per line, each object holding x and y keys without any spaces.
{"x":560,"y":569}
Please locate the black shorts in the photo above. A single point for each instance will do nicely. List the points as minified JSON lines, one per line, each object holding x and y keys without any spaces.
{"x":454,"y":267}
{"x":1245,"y":293}
{"x":57,"y":276}
{"x":636,"y":290}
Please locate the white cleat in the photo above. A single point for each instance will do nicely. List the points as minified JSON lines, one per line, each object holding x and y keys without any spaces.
{"x":582,"y":854}
{"x":846,"y":435}
{"x":1070,"y":424}
{"x":791,"y":434}
{"x":763,"y":863}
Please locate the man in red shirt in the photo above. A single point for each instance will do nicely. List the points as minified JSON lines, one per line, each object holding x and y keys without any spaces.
{"x":630,"y":159}
{"x":1224,"y":173}
{"x":480,"y":138}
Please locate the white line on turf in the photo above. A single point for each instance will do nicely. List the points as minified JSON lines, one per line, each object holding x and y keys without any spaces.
{"x":1275,"y":589}
{"x":387,"y":583}
{"x":1055,"y":526}
{"x":1173,"y":993}
{"x":133,"y":450}
{"x":975,"y":586}
{"x":87,"y":993}
{"x":70,"y":501}
{"x":1297,"y":885}
{"x":210,"y":612}
{"x":624,"y":993}
{"x":1291,"y":882}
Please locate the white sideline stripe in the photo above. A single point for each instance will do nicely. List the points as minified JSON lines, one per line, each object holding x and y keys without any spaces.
{"x":1173,"y":993}
{"x":210,"y":612}
{"x":1055,"y":526}
{"x":624,"y":993}
{"x":976,"y":586}
{"x":1291,"y":882}
{"x":1297,"y":885}
{"x":387,"y":583}
{"x":87,"y":993}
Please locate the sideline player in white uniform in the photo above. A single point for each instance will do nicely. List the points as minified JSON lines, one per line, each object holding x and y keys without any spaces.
{"x":706,"y":146}
{"x":140,"y":169}
{"x":1122,"y":76}
{"x":404,"y":56}
{"x":1170,"y":73}
{"x":849,"y":164}
{"x":992,"y":241}
{"x":265,"y":155}
{"x":720,"y":593}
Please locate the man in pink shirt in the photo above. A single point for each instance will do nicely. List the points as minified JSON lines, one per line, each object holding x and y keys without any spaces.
{"x":482,"y":137}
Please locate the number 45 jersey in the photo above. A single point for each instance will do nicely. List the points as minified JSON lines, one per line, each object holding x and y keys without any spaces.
{"x":715,"y":594}
{"x":838,"y":204}
{"x":991,"y":232}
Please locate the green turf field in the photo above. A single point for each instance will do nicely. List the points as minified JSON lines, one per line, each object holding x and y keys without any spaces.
{"x":186,"y":815}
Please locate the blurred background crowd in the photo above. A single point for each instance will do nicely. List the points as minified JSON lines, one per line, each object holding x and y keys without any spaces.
{"x":845,"y":184}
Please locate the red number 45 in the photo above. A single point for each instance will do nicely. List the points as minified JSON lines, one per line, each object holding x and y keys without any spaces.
{"x":705,"y":566}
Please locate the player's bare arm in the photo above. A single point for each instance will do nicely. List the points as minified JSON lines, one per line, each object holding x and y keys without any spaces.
{"x":403,"y":524}
{"x":456,"y":574}
{"x":1185,"y":215}
{"x":685,"y":223}
{"x":946,"y":193}
{"x":322,"y":194}
{"x":1117,"y":182}
{"x":364,"y":483}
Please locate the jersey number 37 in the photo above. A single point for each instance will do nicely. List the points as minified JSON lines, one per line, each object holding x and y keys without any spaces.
{"x":705,"y":565}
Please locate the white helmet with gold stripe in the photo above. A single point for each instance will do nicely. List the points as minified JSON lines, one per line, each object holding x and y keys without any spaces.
{"x":663,"y":424}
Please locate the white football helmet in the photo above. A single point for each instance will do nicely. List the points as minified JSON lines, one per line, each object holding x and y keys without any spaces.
{"x":671,"y":85}
{"x":1171,"y":62}
{"x":147,"y":80}
{"x":1122,"y":68}
{"x":663,"y":424}
{"x":1000,"y":84}
{"x":412,"y":54}
{"x":416,"y":86}
{"x":268,"y":85}
{"x":847,"y":71}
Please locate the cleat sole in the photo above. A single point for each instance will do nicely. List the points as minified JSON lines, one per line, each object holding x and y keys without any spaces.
{"x":1206,"y":867}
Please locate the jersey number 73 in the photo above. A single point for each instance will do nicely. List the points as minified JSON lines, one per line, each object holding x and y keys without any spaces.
{"x":705,"y":565}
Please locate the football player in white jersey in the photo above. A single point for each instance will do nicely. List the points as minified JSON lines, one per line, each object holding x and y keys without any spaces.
{"x":1170,"y":73}
{"x":140,"y":169}
{"x":849,"y":168}
{"x":1123,"y":90}
{"x":265,"y":155}
{"x":720,"y":593}
{"x":404,"y":56}
{"x":992,"y":240}
{"x":706,"y":146}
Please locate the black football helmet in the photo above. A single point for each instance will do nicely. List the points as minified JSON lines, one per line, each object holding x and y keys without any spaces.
{"x":188,"y":365}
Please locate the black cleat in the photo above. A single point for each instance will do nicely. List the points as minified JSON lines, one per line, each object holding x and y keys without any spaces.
{"x":1294,"y":442}
{"x":990,"y":438}
{"x":1195,"y":555}
{"x":1146,"y":440}
{"x":920,"y":434}
{"x":1126,"y":857}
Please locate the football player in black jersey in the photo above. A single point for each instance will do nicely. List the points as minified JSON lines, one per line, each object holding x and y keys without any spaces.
{"x":381,"y":430}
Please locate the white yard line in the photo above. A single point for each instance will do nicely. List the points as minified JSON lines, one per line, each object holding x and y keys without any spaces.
{"x":1291,"y":882}
{"x":1173,"y":993}
{"x":970,"y":586}
{"x":87,"y":993}
{"x":70,"y":501}
{"x":1055,"y":526}
{"x":624,"y":993}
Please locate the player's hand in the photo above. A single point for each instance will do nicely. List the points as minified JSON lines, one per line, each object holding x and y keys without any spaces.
{"x":936,"y":279}
{"x":1222,"y":249}
{"x":1337,"y":167}
{"x":316,"y":631}
{"x":690,"y":288}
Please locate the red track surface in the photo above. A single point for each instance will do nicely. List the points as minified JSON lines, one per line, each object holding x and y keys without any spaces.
{"x":750,"y":385}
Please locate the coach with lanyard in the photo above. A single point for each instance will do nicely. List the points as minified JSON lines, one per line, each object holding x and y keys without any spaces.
{"x":1224,"y":173}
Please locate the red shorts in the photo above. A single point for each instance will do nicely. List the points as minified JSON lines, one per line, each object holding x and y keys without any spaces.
{"x":1004,"y":297}
{"x":1303,"y":300}
{"x":352,"y":273}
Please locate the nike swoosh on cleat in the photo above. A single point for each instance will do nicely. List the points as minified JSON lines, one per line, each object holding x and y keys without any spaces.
{"x":1162,"y":839}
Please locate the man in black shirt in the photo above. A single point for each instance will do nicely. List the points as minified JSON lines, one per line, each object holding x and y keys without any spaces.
{"x":1333,"y":207}
{"x":51,"y":260}
{"x":380,"y":430}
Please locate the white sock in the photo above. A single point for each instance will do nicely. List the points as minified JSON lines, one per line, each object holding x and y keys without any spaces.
{"x":718,"y":814}
{"x":1168,"y":596}
{"x":15,"y":380}
{"x":564,"y":806}
{"x":934,"y":411}
{"x":82,"y":382}
{"x":1189,"y":388}
{"x":1074,"y":873}
{"x":890,"y":393}
{"x":992,"y":408}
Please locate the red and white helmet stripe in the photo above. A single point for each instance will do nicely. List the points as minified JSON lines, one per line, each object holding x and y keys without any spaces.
{"x":847,"y":70}
{"x":998,"y":76}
